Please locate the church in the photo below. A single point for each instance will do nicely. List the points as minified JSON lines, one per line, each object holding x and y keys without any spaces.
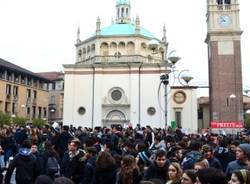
{"x":116,"y":76}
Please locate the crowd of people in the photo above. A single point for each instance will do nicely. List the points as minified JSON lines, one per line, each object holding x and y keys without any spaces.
{"x":69,"y":155}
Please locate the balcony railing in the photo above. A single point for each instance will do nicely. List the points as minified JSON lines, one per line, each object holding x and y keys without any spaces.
{"x":121,"y":59}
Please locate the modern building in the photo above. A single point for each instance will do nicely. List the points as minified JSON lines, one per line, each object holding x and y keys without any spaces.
{"x":56,"y":95}
{"x":224,"y":58}
{"x":116,"y":76}
{"x":22,"y":92}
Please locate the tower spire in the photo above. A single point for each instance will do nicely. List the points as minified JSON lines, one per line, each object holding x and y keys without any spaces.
{"x":78,"y":35}
{"x":164,"y":38}
{"x":98,"y":26}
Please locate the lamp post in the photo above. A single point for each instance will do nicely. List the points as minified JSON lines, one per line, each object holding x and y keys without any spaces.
{"x":169,"y":61}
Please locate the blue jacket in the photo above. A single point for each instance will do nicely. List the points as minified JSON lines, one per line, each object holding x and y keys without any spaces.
{"x":233,"y":166}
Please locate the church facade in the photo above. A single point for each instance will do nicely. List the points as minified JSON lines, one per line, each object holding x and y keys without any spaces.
{"x":116,"y":76}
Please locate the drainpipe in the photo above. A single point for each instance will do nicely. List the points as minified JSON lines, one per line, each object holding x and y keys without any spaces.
{"x":93,"y":96}
{"x":139,"y":107}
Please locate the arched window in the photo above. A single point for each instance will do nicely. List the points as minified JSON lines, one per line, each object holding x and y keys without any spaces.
{"x":122,"y":12}
{"x":219,"y":2}
{"x":79,"y":52}
{"x":104,"y":49}
{"x":84,"y":53}
{"x":131,"y":48}
{"x":227,"y":1}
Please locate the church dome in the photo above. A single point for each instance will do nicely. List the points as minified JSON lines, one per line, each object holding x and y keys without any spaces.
{"x":122,"y":2}
{"x":124,"y":30}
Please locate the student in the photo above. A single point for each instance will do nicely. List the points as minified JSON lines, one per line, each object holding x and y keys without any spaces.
{"x":105,"y":171}
{"x":158,"y":168}
{"x":174,"y":173}
{"x":25,"y":164}
{"x":189,"y":176}
{"x":242,"y":152}
{"x":129,"y":173}
{"x":240,"y":177}
{"x":72,"y":164}
{"x":211,"y":176}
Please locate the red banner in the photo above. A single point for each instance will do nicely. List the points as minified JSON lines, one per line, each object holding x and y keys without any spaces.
{"x":227,"y":124}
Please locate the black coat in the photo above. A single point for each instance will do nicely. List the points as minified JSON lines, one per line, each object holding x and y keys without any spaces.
{"x":61,"y":143}
{"x":105,"y":175}
{"x":26,"y":169}
{"x":90,"y":166}
{"x":73,"y":168}
{"x":154,"y":171}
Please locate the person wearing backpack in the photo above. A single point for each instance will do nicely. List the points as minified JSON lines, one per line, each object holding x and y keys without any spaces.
{"x":51,"y":160}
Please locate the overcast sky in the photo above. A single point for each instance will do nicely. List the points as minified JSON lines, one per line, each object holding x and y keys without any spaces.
{"x":39,"y":35}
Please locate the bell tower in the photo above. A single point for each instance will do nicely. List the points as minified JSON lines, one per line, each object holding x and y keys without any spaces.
{"x":224,"y":60}
{"x":123,"y":11}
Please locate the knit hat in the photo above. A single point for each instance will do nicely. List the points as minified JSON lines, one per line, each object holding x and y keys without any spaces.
{"x":206,"y":148}
{"x":245,"y":147}
{"x":144,"y":156}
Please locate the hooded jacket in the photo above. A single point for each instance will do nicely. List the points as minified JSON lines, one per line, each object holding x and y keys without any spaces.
{"x":26,"y":167}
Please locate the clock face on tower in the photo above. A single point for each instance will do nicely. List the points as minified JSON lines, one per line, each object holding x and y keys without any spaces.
{"x":224,"y":20}
{"x":179,"y":97}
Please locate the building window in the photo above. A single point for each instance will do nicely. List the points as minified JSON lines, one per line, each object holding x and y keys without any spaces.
{"x":40,"y":112}
{"x":44,"y":112}
{"x":22,"y":79}
{"x":200,"y":113}
{"x":29,"y":81}
{"x":8,"y":89}
{"x":35,"y":83}
{"x":14,"y":108}
{"x":15,"y":90}
{"x":34,"y":111}
{"x":219,"y":2}
{"x":35,"y":94}
{"x":16,"y":78}
{"x":178,"y":118}
{"x":40,"y":85}
{"x":81,"y":110}
{"x":122,"y":12}
{"x":28,"y":110}
{"x":52,"y":99}
{"x":28,"y":93}
{"x":9,"y":76}
{"x":2,"y":74}
{"x":116,"y":95}
{"x":151,"y":111}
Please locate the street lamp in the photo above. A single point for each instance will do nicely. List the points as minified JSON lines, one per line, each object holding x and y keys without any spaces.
{"x":170,"y":61}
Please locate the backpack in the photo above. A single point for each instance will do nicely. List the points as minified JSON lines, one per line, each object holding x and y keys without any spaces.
{"x":52,"y":166}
